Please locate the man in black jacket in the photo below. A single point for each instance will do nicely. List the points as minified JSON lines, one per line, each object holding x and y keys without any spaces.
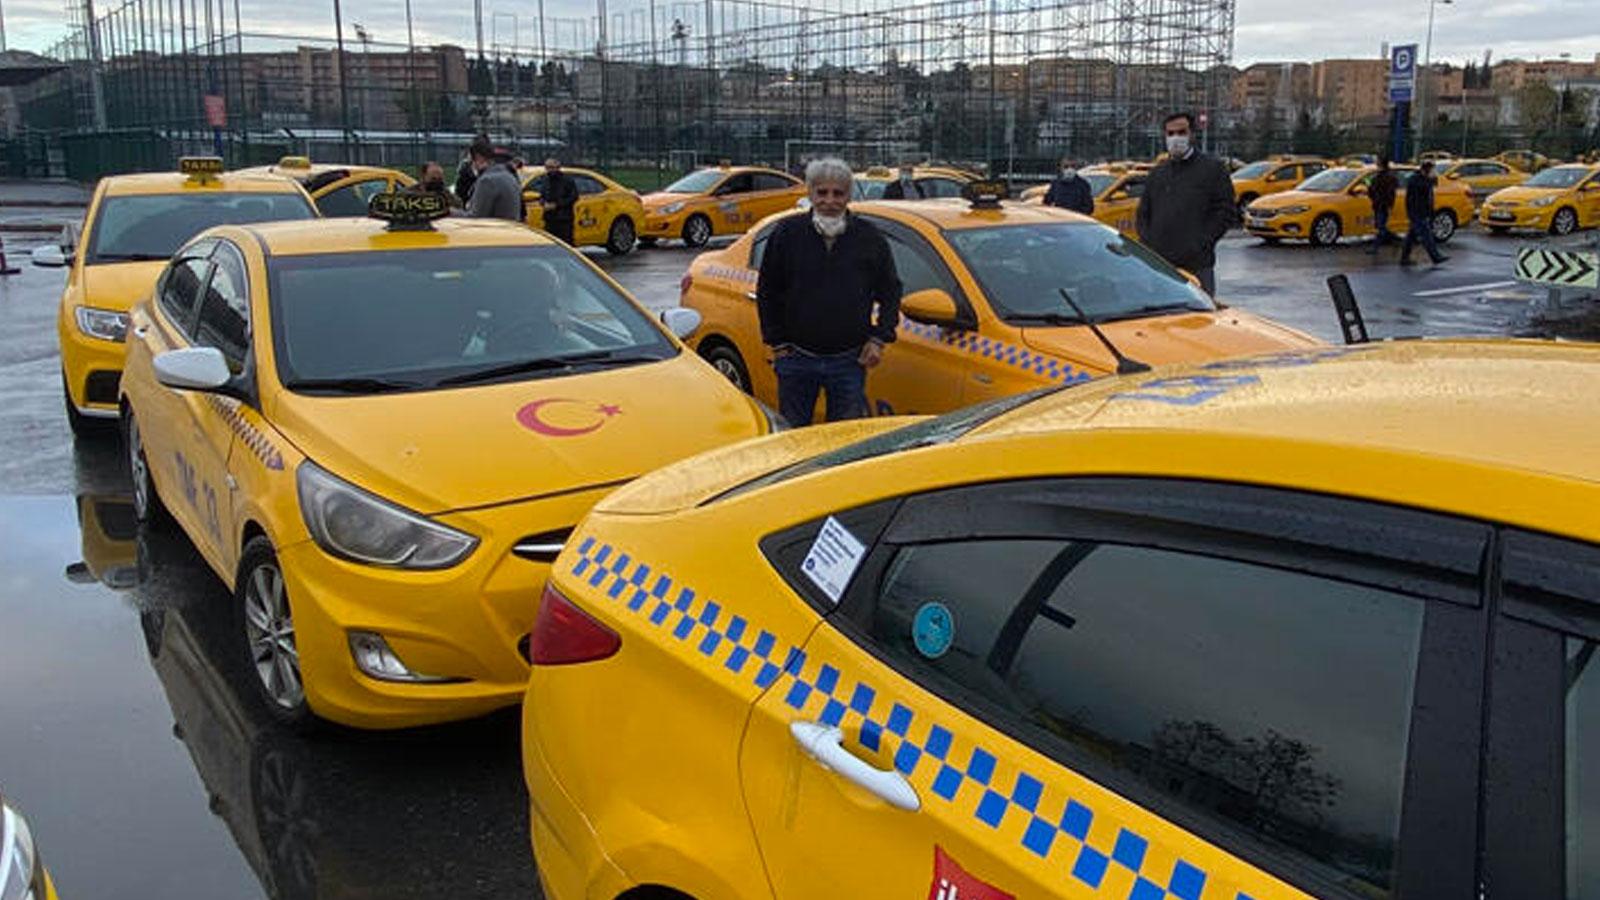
{"x":1070,"y":190}
{"x":1381,"y":193}
{"x":1419,"y":209}
{"x":823,"y":276}
{"x":558,"y":197}
{"x":1188,"y":205}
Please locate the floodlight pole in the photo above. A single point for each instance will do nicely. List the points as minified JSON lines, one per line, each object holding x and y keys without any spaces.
{"x":344,"y":89}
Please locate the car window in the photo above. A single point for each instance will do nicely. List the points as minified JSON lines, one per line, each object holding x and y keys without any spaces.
{"x":939,"y":187}
{"x":1287,"y":173}
{"x":767,"y":182}
{"x":913,"y":262}
{"x":154,"y":226}
{"x":588,"y":185}
{"x":1204,"y":679}
{"x":1134,"y":186}
{"x":225,"y":308}
{"x":1310,"y":169}
{"x":695,"y":182}
{"x":758,"y":247}
{"x":1582,"y":753}
{"x":537,"y":184}
{"x":737,"y":184}
{"x":179,"y":290}
{"x":350,"y":200}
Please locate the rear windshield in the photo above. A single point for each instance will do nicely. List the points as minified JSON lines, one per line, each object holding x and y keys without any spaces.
{"x":154,"y":226}
{"x":1254,"y":170}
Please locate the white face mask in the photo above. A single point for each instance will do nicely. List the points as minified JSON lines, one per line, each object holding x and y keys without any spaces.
{"x":828,"y":226}
{"x":1068,"y":173}
{"x":1178,"y":145}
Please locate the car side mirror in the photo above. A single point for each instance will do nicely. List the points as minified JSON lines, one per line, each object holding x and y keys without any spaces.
{"x":681,"y":321}
{"x":193,"y":369}
{"x":1118,"y":195}
{"x":50,"y":257}
{"x":1359,"y":190}
{"x":1453,"y":175}
{"x":931,"y":307}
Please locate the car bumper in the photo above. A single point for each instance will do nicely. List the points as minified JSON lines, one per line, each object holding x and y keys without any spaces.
{"x":1518,"y":218}
{"x":660,"y":226}
{"x":1278,"y":226}
{"x":92,"y":368}
{"x":572,"y":863}
{"x":462,"y":627}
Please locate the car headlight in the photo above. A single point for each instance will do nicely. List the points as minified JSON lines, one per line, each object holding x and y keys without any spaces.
{"x":353,"y":524}
{"x":21,"y":873}
{"x":1542,"y":202}
{"x":1293,"y":210}
{"x":671,"y":208}
{"x":105,"y":324}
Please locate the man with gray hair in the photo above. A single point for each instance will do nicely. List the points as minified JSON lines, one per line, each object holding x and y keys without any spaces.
{"x":829,"y":300}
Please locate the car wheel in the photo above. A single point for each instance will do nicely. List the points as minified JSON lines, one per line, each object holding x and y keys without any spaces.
{"x":1498,"y":229}
{"x":697,"y":231}
{"x":267,"y":637}
{"x":727,"y":360}
{"x":1325,"y":230}
{"x":147,"y":505}
{"x":1444,"y":225}
{"x":622,"y":239}
{"x":1565,"y":221}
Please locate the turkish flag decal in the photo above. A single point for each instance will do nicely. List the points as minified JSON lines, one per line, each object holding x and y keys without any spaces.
{"x":951,"y":882}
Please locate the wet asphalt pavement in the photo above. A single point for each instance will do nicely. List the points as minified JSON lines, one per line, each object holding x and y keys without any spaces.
{"x":143,"y":775}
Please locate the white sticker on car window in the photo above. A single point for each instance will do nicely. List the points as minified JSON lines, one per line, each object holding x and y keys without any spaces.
{"x":833,"y":558}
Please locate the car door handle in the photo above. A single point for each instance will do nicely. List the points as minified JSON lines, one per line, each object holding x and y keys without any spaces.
{"x":141,"y":331}
{"x":825,"y":745}
{"x":750,"y":295}
{"x":981,"y":378}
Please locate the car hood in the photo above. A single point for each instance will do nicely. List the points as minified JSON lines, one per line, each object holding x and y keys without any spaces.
{"x":1162,"y":340}
{"x":119,"y":286}
{"x":1523,"y":193}
{"x":655,"y":201}
{"x":447,"y":450}
{"x":696,"y":480}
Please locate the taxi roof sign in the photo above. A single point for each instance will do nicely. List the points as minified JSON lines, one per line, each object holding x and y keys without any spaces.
{"x":984,"y":194}
{"x":200,"y":168}
{"x":295,"y":162}
{"x":408,"y":212}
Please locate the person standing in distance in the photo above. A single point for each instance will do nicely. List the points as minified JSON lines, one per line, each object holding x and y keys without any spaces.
{"x":1188,"y":204}
{"x":433,"y":183}
{"x":824,"y":275}
{"x":558,"y":199}
{"x":495,"y":192}
{"x":1070,"y":190}
{"x":466,"y":172}
{"x":1381,"y":194}
{"x":1419,"y":209}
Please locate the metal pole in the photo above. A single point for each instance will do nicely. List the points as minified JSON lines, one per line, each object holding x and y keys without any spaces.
{"x":411,"y":79}
{"x":544,"y":66}
{"x":1427,"y":78}
{"x":344,"y":90}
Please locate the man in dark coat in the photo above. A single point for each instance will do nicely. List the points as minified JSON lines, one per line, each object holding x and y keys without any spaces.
{"x":558,"y":198}
{"x":1419,"y":209}
{"x":824,"y":275}
{"x":1070,"y":190}
{"x":1381,"y":193}
{"x":467,"y":171}
{"x":1188,"y":205}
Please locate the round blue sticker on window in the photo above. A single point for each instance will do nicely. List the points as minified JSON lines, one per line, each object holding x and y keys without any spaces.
{"x":933,"y":629}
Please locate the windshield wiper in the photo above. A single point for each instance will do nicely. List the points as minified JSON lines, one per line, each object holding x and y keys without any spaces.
{"x":1045,"y":318}
{"x":352,"y":385}
{"x":1154,"y":309}
{"x":1126,"y":365}
{"x":545,"y":364}
{"x":131,"y":257}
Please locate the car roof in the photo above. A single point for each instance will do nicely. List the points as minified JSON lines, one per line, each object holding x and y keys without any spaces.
{"x":953,"y":213}
{"x":304,"y":173}
{"x":355,"y":234}
{"x":1500,"y":404}
{"x":178,"y":183}
{"x":528,"y":173}
{"x":738,"y":170}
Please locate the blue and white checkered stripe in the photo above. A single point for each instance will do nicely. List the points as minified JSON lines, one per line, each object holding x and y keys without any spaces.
{"x":746,"y":651}
{"x":1041,"y":364}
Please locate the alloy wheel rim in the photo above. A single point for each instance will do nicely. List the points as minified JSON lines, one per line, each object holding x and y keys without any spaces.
{"x":1443,"y":227}
{"x":1564,"y":222}
{"x":269,"y":632}
{"x":1327,"y":231}
{"x":697,"y":232}
{"x":623,"y":236}
{"x":729,"y":371}
{"x":139,"y":469}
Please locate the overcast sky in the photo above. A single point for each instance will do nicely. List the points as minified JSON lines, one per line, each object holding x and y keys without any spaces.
{"x":1268,"y":30}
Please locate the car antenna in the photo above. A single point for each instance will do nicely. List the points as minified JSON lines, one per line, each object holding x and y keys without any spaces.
{"x":1125,"y":365}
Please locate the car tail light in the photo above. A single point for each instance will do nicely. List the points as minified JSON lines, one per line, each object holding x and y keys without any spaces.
{"x":684,"y":283}
{"x":564,"y":634}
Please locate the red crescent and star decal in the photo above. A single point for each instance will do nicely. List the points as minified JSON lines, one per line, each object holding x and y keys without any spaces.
{"x":532,"y":417}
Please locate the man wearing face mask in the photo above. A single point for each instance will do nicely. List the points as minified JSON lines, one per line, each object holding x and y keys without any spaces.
{"x":1188,"y":205}
{"x":496,"y":193}
{"x":1070,"y":190}
{"x":824,"y":275}
{"x":433,"y":183}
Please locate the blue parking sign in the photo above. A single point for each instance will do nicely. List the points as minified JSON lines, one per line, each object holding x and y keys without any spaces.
{"x":1402,"y":72}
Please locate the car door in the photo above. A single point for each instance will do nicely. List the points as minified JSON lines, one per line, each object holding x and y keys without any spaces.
{"x":1128,"y":688}
{"x":531,"y":192}
{"x":732,"y":199}
{"x":1122,"y":206}
{"x":592,"y":215}
{"x":1542,"y":762}
{"x":1588,"y":194}
{"x":349,"y":197}
{"x":774,"y":193}
{"x":925,"y":369}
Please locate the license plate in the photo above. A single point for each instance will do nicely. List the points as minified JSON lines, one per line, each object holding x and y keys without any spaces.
{"x":1502,"y":217}
{"x":1258,"y":223}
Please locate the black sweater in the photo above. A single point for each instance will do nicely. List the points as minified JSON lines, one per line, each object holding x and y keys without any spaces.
{"x":821,"y":300}
{"x":1187,"y":207}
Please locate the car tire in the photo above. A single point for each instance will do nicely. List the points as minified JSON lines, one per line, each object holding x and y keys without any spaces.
{"x":1325,"y":230}
{"x":622,"y":238}
{"x":726,"y":360}
{"x":1444,"y":225}
{"x":147,"y":506}
{"x":1499,"y":229}
{"x":1564,"y":222}
{"x":265,"y":637}
{"x":696,"y":231}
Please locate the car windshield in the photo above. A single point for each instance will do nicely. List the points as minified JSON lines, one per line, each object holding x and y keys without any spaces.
{"x":1024,"y":268}
{"x":154,"y":226}
{"x":926,"y":433}
{"x":1331,"y":181}
{"x":870,"y":189}
{"x":1098,"y":182}
{"x":412,"y":319}
{"x":1564,"y":177}
{"x":1254,"y":170}
{"x":696,"y":182}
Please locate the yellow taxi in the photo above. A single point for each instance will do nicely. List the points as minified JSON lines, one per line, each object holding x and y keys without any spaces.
{"x":1334,"y":204}
{"x":1078,"y":644}
{"x":982,"y":313}
{"x":1271,"y":176}
{"x":1526,"y":160}
{"x":1482,"y":176}
{"x":1358,"y":160}
{"x":713,"y":201}
{"x":22,"y":872}
{"x":607,"y":214}
{"x":379,"y":435}
{"x":932,"y":181}
{"x":1116,"y":188}
{"x":130,"y":229}
{"x":339,"y":190}
{"x":1560,"y":200}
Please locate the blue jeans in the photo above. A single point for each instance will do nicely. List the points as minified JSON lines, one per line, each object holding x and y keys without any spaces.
{"x":1420,"y":232}
{"x":801,"y":377}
